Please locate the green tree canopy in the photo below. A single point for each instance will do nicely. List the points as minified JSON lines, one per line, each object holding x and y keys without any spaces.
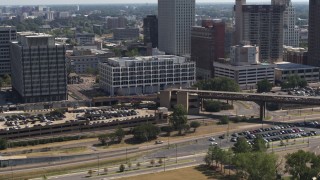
{"x":241,"y":146}
{"x":259,"y":145}
{"x":119,"y":134}
{"x":303,"y":165}
{"x":3,"y":144}
{"x":178,"y":118}
{"x":256,"y":165}
{"x":264,"y":86}
{"x":294,"y":81}
{"x":145,"y":132}
{"x":195,"y":125}
{"x":218,"y":84}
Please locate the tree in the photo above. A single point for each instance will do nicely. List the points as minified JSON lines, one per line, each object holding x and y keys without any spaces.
{"x":213,"y":154}
{"x":224,"y":120}
{"x":122,"y":168}
{"x":160,"y":161}
{"x":3,"y":144}
{"x":178,"y":118}
{"x":194,"y":125}
{"x":132,"y":53}
{"x":145,"y":132}
{"x":7,"y":79}
{"x":103,"y":138}
{"x":138,"y":165}
{"x":259,"y":145}
{"x":105,"y":170}
{"x":264,"y":86}
{"x":119,"y":134}
{"x":241,"y":146}
{"x":303,"y":165}
{"x":129,"y":165}
{"x":294,"y":81}
{"x":167,"y":129}
{"x":152,"y":162}
{"x":218,"y":84}
{"x":255,"y":165}
{"x":90,"y":172}
{"x":1,"y":83}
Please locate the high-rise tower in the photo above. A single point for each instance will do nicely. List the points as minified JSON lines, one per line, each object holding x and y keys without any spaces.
{"x":176,"y":18}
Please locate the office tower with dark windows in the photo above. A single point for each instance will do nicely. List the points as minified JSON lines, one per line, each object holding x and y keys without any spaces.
{"x":7,"y":34}
{"x":39,"y":68}
{"x":261,"y":25}
{"x":150,"y":30}
{"x":314,"y":33}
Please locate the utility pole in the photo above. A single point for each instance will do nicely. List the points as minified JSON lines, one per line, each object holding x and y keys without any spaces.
{"x":98,"y":164}
{"x":176,"y":153}
{"x":126,"y":156}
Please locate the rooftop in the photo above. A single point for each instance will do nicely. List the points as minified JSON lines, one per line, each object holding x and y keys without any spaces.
{"x":288,"y":66}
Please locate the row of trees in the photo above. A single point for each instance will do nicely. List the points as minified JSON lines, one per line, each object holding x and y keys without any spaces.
{"x":253,"y":162}
{"x":115,"y":137}
{"x":216,"y":106}
{"x":291,"y":82}
{"x":218,"y":84}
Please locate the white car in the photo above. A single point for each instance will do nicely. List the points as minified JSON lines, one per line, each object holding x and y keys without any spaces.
{"x":213,"y":144}
{"x":212,"y":139}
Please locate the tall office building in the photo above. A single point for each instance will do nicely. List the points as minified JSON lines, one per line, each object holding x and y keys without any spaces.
{"x":314,"y":33}
{"x":176,"y":18}
{"x":290,"y":30}
{"x":150,"y":30}
{"x":207,"y":46}
{"x":261,"y":25}
{"x":7,"y":34}
{"x":39,"y":68}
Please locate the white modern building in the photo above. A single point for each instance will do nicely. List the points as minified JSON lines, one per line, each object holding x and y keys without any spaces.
{"x":290,"y":30}
{"x":39,"y":68}
{"x":175,"y":20}
{"x":7,"y":34}
{"x":244,"y":55}
{"x":145,"y":74}
{"x":246,"y":76}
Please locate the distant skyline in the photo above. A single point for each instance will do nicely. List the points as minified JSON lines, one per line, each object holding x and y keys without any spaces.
{"x":51,"y":2}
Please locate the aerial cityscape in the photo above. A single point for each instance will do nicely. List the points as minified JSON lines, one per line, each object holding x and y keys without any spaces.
{"x":166,"y":89}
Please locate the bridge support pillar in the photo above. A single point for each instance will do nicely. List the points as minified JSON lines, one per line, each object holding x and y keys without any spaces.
{"x":262,"y":110}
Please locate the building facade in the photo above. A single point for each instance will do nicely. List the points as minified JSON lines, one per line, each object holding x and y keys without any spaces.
{"x":286,"y":69}
{"x":261,"y":25}
{"x":145,"y":74}
{"x":244,"y":55}
{"x":116,"y":22}
{"x":176,"y":18}
{"x":87,"y":60}
{"x":290,"y":30}
{"x":295,"y":55}
{"x":125,"y":33}
{"x":314,"y":33}
{"x":39,"y":68}
{"x":207,"y":45}
{"x":7,"y":34}
{"x":85,"y":38}
{"x":150,"y":30}
{"x":246,"y":76}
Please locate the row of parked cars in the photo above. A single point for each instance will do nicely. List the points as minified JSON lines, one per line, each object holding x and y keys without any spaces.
{"x":275,"y":133}
{"x":103,"y":114}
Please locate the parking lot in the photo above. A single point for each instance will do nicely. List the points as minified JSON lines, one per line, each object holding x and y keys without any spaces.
{"x":90,"y":115}
{"x":284,"y":131}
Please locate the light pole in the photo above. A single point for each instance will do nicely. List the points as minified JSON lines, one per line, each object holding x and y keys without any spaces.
{"x":98,"y":164}
{"x":176,"y":153}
